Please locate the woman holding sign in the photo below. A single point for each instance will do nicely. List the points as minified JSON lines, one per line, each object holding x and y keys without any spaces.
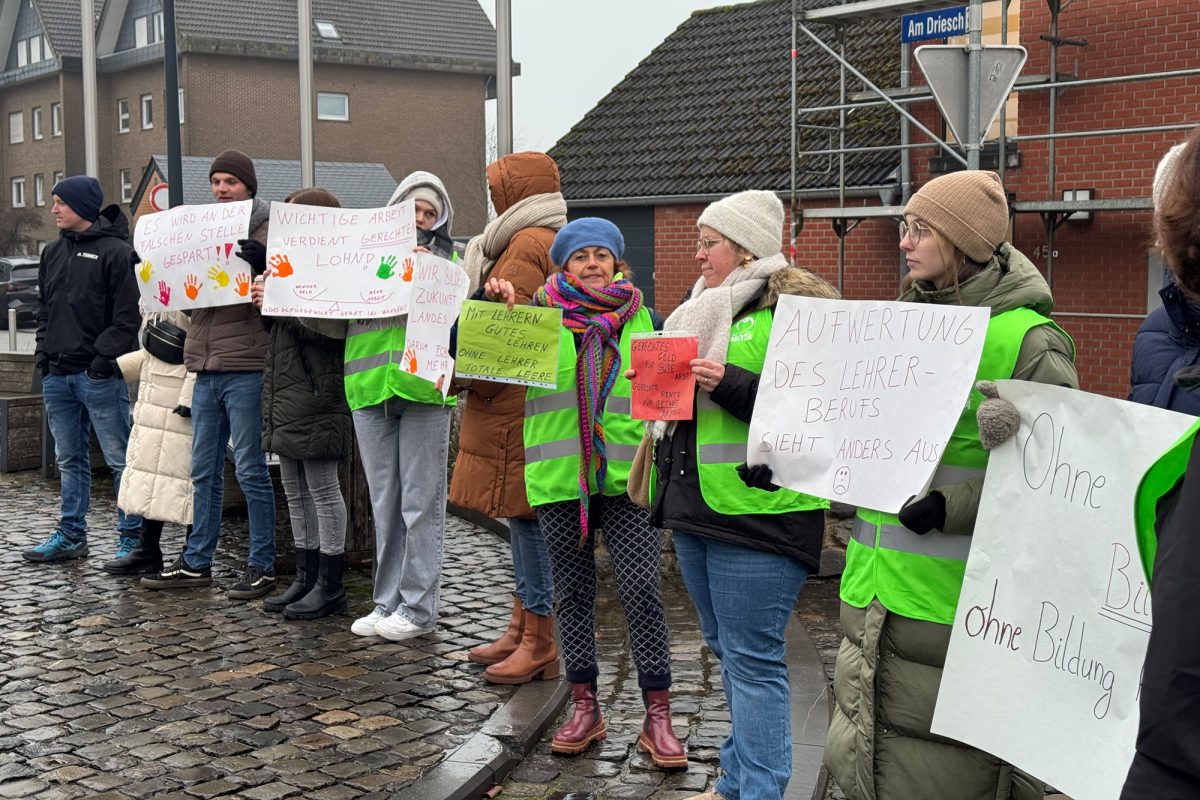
{"x":744,"y":546}
{"x":904,"y":572}
{"x":579,"y":443}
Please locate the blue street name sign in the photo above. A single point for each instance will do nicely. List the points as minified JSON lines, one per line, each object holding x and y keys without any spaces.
{"x":933,"y":24}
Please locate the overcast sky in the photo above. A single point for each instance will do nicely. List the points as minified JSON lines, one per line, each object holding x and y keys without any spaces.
{"x":572,"y":53}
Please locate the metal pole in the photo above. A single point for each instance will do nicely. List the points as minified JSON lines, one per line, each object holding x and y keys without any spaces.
{"x":308,"y":175}
{"x":841,"y":37}
{"x":1051,"y":152}
{"x":171,"y":107}
{"x":504,"y":107}
{"x":12,"y":330}
{"x":1002,"y":143}
{"x":91,"y":150}
{"x":792,"y":203}
{"x":905,"y":137}
{"x":974,"y":54}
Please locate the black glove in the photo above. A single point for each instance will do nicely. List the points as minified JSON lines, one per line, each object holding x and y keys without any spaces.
{"x":182,"y":411}
{"x":757,"y":477}
{"x":925,"y":514}
{"x":254,"y":253}
{"x":42,"y":361}
{"x":102,"y":368}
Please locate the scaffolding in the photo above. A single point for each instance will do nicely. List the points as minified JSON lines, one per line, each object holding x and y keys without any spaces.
{"x":1052,"y":210}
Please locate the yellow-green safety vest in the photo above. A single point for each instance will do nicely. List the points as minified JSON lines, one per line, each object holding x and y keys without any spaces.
{"x":920,"y":576}
{"x":552,"y":449}
{"x":374,"y":353}
{"x":1159,"y":480}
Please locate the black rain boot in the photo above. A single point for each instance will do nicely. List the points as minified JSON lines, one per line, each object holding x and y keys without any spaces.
{"x":145,"y":558}
{"x":327,"y":596}
{"x":306,"y":578}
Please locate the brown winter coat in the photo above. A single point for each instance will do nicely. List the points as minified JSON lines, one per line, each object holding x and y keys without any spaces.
{"x":489,"y":476}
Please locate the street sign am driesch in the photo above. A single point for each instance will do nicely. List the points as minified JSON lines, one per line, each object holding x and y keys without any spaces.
{"x":934,"y":24}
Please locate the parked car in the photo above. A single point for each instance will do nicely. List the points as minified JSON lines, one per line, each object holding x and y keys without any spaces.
{"x":19,"y":289}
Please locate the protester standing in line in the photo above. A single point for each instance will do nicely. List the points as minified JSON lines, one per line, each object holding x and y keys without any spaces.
{"x":88,"y":316}
{"x":403,"y":428}
{"x":580,"y":439}
{"x":744,"y":546}
{"x":306,"y":423}
{"x":489,"y":475}
{"x":157,"y":483}
{"x":904,"y":572}
{"x":226,"y":348}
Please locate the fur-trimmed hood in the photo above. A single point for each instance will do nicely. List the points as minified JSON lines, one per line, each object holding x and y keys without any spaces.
{"x":798,"y":281}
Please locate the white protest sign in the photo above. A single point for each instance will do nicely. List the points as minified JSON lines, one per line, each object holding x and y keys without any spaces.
{"x":857,"y":399}
{"x":188,"y":256}
{"x":1046,"y":653}
{"x":341,"y":263}
{"x":439,"y":289}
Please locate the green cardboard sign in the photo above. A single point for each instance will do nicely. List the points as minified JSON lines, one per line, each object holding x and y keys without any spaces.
{"x":508,"y":346}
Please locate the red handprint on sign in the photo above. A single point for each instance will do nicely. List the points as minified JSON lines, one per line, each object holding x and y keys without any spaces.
{"x":279,"y":265}
{"x":409,"y":364}
{"x":243,"y":283}
{"x":192,"y":286}
{"x":406,"y":276}
{"x":164,"y":293}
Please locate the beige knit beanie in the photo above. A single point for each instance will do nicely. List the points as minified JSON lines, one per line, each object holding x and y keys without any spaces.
{"x":968,"y":208}
{"x":1165,"y":173}
{"x":753,"y":219}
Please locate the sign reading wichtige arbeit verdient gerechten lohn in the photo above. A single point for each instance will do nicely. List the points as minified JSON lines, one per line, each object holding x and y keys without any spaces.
{"x":934,"y":24}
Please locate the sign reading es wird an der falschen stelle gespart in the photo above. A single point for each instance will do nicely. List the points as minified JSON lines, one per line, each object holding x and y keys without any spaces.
{"x":933,"y":24}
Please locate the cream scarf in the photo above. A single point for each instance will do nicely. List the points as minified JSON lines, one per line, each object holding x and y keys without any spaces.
{"x":547,"y":210}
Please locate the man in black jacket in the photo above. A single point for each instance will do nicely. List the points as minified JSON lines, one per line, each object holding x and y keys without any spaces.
{"x":88,"y":316}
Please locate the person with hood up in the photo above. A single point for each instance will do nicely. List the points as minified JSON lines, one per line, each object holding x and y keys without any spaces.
{"x":489,"y":475}
{"x":904,"y":572}
{"x":87,"y":318}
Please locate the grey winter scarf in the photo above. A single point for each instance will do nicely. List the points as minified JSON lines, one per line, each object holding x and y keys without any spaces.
{"x":708,"y":313}
{"x":539,"y":211}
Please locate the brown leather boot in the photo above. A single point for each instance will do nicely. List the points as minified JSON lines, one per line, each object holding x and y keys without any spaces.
{"x":585,"y":726}
{"x":657,"y":738}
{"x":537,"y":655}
{"x":502,"y":648}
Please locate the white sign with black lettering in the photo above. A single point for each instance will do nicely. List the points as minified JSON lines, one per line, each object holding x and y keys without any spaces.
{"x":1046,"y":653}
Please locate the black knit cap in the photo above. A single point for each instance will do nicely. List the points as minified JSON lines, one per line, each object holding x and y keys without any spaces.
{"x":237,"y":164}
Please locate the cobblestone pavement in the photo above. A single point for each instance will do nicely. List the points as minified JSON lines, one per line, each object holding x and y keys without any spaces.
{"x":111,"y":691}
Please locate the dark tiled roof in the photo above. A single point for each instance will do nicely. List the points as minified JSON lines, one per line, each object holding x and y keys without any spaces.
{"x":707,"y":112}
{"x":355,"y":185}
{"x":61,"y":20}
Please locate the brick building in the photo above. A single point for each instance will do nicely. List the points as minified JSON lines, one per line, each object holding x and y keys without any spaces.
{"x":398,"y":82}
{"x":685,"y":128}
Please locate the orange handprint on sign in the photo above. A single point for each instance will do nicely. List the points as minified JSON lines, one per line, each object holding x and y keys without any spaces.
{"x":409,"y":364}
{"x":279,"y":265}
{"x":192,"y":286}
{"x":243,"y":283}
{"x":406,"y":276}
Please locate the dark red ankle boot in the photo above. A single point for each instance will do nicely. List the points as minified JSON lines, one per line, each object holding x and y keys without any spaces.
{"x":657,"y":737}
{"x":585,"y":726}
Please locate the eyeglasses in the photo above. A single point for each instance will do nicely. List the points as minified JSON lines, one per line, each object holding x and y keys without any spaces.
{"x":914,"y":232}
{"x":708,"y":244}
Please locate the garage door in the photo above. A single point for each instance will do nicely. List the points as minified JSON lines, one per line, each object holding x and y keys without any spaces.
{"x":637,"y":226}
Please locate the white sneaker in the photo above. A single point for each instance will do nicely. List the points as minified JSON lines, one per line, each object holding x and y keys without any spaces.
{"x":365,"y":626}
{"x":396,"y":628}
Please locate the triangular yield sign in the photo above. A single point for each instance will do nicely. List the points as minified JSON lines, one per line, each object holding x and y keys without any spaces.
{"x":945,"y":68}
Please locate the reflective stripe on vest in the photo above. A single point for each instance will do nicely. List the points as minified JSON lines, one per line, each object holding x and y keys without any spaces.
{"x":372,"y":373}
{"x":721,"y":437}
{"x":1158,"y":481}
{"x":921,"y":576}
{"x":551,"y":430}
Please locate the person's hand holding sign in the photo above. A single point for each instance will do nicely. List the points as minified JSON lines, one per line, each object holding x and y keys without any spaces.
{"x":708,"y":373}
{"x":499,"y":290}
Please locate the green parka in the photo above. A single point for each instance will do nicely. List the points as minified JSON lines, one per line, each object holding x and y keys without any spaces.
{"x":889,"y":666}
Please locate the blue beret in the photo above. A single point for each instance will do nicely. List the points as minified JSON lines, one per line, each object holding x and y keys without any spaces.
{"x":586,"y":232}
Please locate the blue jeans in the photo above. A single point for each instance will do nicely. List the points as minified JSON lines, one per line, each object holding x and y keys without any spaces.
{"x":74,"y":405}
{"x":531,"y":566}
{"x":744,"y":599}
{"x":226,"y":404}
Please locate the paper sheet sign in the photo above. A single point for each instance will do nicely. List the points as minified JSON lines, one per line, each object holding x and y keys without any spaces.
{"x":188,"y":256}
{"x":857,"y":399}
{"x":509,"y":346}
{"x":341,"y":263}
{"x":1045,"y":658}
{"x":664,"y":386}
{"x":439,"y":288}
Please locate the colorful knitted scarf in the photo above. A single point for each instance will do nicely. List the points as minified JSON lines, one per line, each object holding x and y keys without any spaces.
{"x":596,"y":317}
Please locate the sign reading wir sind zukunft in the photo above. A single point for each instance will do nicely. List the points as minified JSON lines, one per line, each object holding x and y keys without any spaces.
{"x":933,"y":24}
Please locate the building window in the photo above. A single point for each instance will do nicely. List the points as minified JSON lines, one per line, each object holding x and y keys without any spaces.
{"x":39,"y":189}
{"x":37,"y":122}
{"x":33,"y":50}
{"x":56,"y":119}
{"x":333,"y":105}
{"x":22,"y":53}
{"x":158,"y":26}
{"x":326,"y":29}
{"x":148,"y":30}
{"x":126,"y":181}
{"x":16,"y":127}
{"x":147,"y":111}
{"x":181,"y":120}
{"x":123,"y":115}
{"x":58,"y":176}
{"x":18,"y":192}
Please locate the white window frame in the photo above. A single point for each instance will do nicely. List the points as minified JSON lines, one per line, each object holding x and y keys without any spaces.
{"x":344,"y":116}
{"x":16,"y":127}
{"x":157,"y":26}
{"x":35,"y":49}
{"x":47,"y":53}
{"x":146,"y":104}
{"x":39,"y":189}
{"x":22,"y":53}
{"x":123,"y":115}
{"x":58,"y":176}
{"x":181,"y":114}
{"x":56,"y":119}
{"x":36,"y":119}
{"x":125,"y":179}
{"x":326,"y":29}
{"x":141,"y":32}
{"x":18,"y":192}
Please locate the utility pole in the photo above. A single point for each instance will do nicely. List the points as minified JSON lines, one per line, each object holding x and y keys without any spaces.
{"x":171,"y":107}
{"x":504,"y":108}
{"x":308,"y":175}
{"x":91,"y":150}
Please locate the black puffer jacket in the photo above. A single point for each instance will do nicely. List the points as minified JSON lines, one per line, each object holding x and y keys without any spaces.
{"x":305,"y":415}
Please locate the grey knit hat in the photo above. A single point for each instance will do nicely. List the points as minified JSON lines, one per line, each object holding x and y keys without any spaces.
{"x":968,"y":208}
{"x":1165,"y":173}
{"x":753,"y":219}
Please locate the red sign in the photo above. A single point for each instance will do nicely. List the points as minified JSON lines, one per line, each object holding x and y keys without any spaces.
{"x":159,"y":198}
{"x":664,"y":386}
